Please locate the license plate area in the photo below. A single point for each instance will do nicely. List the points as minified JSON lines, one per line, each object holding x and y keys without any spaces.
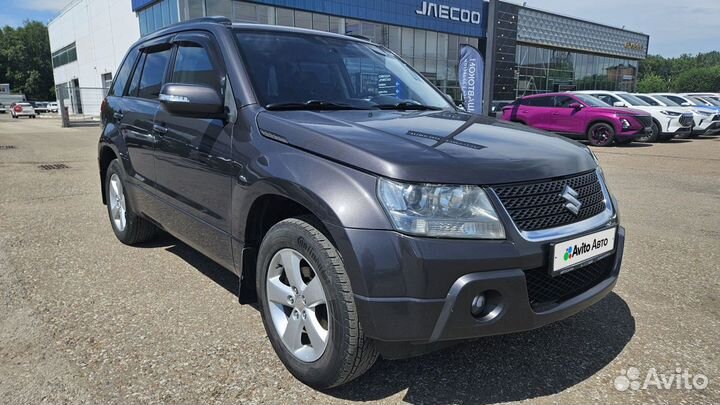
{"x":574,"y":253}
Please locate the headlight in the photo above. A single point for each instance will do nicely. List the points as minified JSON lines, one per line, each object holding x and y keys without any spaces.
{"x":440,"y":210}
{"x":701,"y":112}
{"x":671,"y":113}
{"x":625,"y":123}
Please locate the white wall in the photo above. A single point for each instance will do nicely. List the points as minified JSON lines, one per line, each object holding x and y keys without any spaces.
{"x":102,"y":30}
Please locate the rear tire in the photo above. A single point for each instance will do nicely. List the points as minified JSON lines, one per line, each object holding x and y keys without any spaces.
{"x":128,"y":227}
{"x":601,"y":134}
{"x":295,"y":262}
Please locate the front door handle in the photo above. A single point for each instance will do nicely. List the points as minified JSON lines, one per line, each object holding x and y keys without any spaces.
{"x":159,"y":129}
{"x":118,"y":115}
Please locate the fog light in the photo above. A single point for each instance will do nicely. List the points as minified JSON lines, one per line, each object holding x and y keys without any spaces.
{"x":625,"y":123}
{"x":478,"y":305}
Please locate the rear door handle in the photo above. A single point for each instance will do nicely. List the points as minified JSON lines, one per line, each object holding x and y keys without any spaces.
{"x":159,"y":129}
{"x":118,"y":116}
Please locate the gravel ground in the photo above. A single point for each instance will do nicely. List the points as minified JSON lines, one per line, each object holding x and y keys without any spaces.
{"x":85,"y":319}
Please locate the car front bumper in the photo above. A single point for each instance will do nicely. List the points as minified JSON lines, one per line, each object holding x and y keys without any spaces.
{"x":421,"y":290}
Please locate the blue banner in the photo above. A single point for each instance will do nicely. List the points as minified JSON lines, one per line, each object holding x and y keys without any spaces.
{"x":471,"y":74}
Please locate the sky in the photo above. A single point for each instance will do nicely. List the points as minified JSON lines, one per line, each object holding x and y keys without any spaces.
{"x":675,"y":26}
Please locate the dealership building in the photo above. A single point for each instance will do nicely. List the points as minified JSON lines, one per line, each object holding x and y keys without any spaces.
{"x":526,"y":50}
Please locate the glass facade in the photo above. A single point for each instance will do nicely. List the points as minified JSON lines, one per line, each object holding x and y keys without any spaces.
{"x":160,"y":14}
{"x":542,"y":70}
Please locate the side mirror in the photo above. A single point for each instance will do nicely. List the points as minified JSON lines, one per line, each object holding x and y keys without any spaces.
{"x":685,"y":104}
{"x":619,"y":104}
{"x":191,"y":99}
{"x":575,"y":106}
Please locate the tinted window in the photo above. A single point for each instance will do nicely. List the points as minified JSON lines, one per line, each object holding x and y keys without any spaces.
{"x":135,"y":82}
{"x":546,"y":101}
{"x":564,"y":101}
{"x":648,"y":100}
{"x":153,"y":73}
{"x":676,"y":99}
{"x":591,"y":101}
{"x":123,"y":74}
{"x":606,"y":98}
{"x":193,"y":66}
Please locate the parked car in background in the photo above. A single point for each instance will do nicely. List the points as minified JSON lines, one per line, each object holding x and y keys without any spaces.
{"x":666,"y":122}
{"x":702,"y":117}
{"x":40,"y":106}
{"x":53,"y":107}
{"x":3,"y":109}
{"x":713,"y":113}
{"x":714,"y":96}
{"x":706,"y":100}
{"x":22,"y":110}
{"x":579,"y":116}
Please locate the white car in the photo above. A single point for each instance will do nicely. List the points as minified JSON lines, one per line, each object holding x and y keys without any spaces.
{"x":667,"y":122}
{"x":22,"y":110}
{"x":53,"y":106}
{"x":713,"y":96}
{"x":702,"y":117}
{"x":712,"y":114}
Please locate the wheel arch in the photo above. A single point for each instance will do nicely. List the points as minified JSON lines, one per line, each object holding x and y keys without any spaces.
{"x":106,"y":155}
{"x":600,"y":121}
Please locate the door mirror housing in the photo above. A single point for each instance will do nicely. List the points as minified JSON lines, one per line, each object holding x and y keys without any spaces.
{"x":619,"y":104}
{"x":575,"y":106}
{"x":191,"y":99}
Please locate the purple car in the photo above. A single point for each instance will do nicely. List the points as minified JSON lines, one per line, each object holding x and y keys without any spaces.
{"x":579,"y":116}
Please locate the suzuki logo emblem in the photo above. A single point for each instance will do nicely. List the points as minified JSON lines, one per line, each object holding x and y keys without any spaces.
{"x":571,"y":196}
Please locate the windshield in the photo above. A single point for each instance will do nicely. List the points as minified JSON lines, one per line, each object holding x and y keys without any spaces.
{"x":666,"y":101}
{"x":632,"y":100}
{"x":591,"y":101}
{"x":321,"y":71}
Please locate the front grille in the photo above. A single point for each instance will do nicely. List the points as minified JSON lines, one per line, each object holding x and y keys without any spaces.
{"x":646,"y":121}
{"x":686,"y":120}
{"x":534,"y":206}
{"x":545,"y":291}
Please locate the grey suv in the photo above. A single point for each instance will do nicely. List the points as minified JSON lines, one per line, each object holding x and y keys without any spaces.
{"x":363,"y":212}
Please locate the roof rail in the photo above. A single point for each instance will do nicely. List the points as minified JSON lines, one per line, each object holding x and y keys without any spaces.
{"x":214,"y":19}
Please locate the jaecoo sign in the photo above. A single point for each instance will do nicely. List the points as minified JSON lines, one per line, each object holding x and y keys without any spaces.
{"x":446,"y":12}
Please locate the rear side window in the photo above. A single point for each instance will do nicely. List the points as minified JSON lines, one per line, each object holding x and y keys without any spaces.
{"x":545,"y":101}
{"x":153,"y":73}
{"x":135,"y":82}
{"x":123,"y":74}
{"x":676,"y":99}
{"x":193,"y":66}
{"x":648,"y":100}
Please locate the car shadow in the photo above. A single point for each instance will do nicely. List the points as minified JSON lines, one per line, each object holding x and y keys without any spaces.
{"x":488,"y":370}
{"x":505,"y":368}
{"x":205,"y":266}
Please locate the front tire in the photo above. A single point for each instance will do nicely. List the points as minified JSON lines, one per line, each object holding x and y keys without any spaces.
{"x":653,"y":136}
{"x":601,"y":134}
{"x":308,"y":307}
{"x":128,"y":227}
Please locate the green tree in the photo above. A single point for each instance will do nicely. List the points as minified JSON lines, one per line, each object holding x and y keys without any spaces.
{"x":698,"y":80}
{"x":653,"y":83}
{"x":25,"y":60}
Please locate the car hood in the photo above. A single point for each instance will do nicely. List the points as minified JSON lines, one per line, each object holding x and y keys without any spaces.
{"x":435,"y":146}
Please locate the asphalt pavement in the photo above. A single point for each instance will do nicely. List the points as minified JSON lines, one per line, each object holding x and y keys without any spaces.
{"x":85,"y":319}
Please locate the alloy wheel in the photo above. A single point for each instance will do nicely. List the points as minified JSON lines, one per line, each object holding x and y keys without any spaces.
{"x":298,"y":305}
{"x":116,"y":199}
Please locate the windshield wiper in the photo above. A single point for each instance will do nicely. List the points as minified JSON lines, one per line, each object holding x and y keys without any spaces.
{"x":312,"y":105}
{"x":406,"y":105}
